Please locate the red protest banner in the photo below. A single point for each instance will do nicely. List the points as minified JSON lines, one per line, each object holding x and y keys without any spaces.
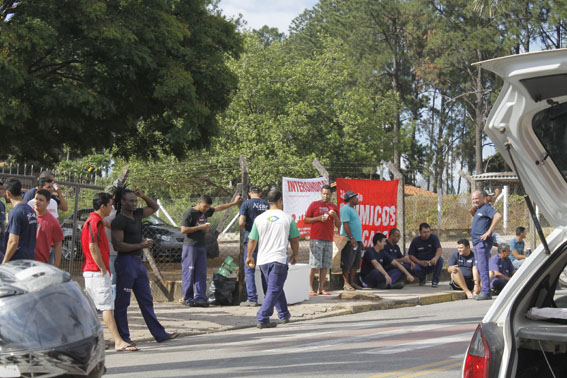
{"x":377,"y":205}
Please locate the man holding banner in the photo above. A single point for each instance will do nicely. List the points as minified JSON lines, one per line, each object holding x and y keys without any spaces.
{"x":323,"y":217}
{"x":352,"y":229}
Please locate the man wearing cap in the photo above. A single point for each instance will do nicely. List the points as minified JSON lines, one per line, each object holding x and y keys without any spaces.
{"x":323,"y":217}
{"x":485,"y":219}
{"x":249,"y":210}
{"x":351,"y":228}
{"x":272,"y":231}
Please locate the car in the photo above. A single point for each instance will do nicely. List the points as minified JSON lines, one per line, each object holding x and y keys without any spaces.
{"x":168,"y":240}
{"x":524,"y":333}
{"x":49,"y":327}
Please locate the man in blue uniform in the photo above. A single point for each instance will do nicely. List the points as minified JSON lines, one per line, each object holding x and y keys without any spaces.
{"x":485,"y":219}
{"x":425,"y":251}
{"x":462,"y":266}
{"x":249,"y":210}
{"x":379,"y":270}
{"x":393,"y":250}
{"x":131,"y":275}
{"x":501,"y":268}
{"x":22,"y":225}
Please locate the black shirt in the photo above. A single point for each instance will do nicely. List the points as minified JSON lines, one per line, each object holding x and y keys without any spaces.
{"x":192,"y":218}
{"x":132,"y":229}
{"x":424,"y":249}
{"x":370,"y":254}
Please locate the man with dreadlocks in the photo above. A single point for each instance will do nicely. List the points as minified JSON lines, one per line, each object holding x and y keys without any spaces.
{"x":131,"y":275}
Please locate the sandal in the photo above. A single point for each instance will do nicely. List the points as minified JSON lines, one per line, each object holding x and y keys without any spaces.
{"x":324,"y":292}
{"x":312,"y":294}
{"x":348,"y":288}
{"x":128,"y":348}
{"x":357,"y":287}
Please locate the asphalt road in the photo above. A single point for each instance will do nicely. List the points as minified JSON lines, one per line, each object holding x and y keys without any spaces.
{"x":427,"y":341}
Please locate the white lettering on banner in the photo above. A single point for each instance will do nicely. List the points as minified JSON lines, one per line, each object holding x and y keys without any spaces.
{"x":376,"y":215}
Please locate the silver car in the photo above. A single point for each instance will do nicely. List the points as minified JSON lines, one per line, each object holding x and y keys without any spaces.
{"x":524,"y":334}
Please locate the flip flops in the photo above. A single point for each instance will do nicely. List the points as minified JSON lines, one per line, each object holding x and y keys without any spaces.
{"x":324,"y":292}
{"x":128,"y":348}
{"x":312,"y":294}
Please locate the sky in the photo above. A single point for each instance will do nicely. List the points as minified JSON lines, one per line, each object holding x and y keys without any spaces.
{"x":258,"y":13}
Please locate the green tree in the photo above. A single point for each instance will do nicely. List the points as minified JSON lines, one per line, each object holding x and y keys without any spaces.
{"x":141,"y":75}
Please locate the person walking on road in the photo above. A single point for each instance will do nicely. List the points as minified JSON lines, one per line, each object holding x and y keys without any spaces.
{"x":131,"y":275}
{"x":323,"y":217}
{"x":96,"y":268}
{"x":271,"y":232}
{"x":485,"y":219}
{"x":352,"y":252}
{"x":249,"y":210}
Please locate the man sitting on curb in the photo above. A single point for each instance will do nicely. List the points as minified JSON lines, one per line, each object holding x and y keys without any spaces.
{"x":393,"y":250}
{"x":425,"y":251}
{"x":462,"y":266}
{"x":379,"y":270}
{"x":517,"y":245}
{"x":501,"y":268}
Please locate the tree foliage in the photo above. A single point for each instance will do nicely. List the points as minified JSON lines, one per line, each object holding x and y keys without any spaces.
{"x":138,"y":75}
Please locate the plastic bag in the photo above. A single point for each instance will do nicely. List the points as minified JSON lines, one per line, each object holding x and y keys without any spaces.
{"x":221,"y":290}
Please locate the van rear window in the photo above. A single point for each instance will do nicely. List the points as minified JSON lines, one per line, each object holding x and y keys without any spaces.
{"x":544,"y":87}
{"x":550,"y":126}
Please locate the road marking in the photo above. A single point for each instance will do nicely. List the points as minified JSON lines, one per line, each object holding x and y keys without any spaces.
{"x":378,"y":334}
{"x":420,"y":367}
{"x":431,"y":371}
{"x":420,"y":344}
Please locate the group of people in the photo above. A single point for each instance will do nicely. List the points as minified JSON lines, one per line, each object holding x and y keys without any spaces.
{"x":33,"y":232}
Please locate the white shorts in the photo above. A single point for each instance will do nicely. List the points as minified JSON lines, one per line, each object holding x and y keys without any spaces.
{"x":99,"y":289}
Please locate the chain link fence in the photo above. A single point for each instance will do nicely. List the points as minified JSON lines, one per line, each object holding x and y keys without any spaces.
{"x":448,"y":216}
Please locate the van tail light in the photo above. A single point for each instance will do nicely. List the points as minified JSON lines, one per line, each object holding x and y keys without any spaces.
{"x":477,"y":361}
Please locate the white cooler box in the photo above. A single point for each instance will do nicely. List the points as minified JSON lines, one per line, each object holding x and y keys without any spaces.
{"x":296,"y":287}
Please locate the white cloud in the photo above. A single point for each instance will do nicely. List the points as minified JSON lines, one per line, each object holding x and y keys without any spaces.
{"x":258,"y":13}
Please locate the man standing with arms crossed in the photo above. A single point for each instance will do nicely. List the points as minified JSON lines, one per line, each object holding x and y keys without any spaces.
{"x":485,"y":219}
{"x":323,"y":217}
{"x":22,"y":225}
{"x":271,"y":232}
{"x":249,"y":210}
{"x":96,"y":269}
{"x":352,"y":252}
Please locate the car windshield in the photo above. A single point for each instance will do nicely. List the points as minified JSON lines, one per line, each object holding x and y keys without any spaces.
{"x":152,"y":219}
{"x":550,"y":126}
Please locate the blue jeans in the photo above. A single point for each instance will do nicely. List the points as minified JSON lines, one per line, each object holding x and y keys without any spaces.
{"x":249,"y":274}
{"x":275,"y":275}
{"x":498,"y":284}
{"x":131,"y":275}
{"x":482,"y":254}
{"x":194,"y":272}
{"x":422,"y":271}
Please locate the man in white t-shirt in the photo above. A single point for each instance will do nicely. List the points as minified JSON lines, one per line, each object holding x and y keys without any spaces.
{"x":271,"y":232}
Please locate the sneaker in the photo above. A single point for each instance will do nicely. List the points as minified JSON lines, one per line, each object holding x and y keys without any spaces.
{"x":266,"y":325}
{"x":382,"y":286}
{"x":199,"y":303}
{"x":483,"y":297}
{"x":284,"y":321}
{"x":397,"y":285}
{"x":434,"y":284}
{"x":422,"y":283}
{"x":249,"y":304}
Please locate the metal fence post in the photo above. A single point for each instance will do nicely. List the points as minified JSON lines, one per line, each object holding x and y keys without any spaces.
{"x":242,"y":254}
{"x":73,"y":235}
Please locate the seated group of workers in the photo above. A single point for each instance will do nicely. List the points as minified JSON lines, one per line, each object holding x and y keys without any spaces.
{"x":384,"y":266}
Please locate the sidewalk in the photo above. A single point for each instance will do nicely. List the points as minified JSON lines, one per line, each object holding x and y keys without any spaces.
{"x":189,"y":321}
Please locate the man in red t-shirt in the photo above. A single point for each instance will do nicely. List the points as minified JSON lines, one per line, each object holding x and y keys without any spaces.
{"x":96,"y":269}
{"x":323,"y":216}
{"x":49,"y":231}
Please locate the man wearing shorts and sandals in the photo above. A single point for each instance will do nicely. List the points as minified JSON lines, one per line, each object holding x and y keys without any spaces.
{"x":323,"y":217}
{"x":462,"y":266}
{"x":96,"y":269}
